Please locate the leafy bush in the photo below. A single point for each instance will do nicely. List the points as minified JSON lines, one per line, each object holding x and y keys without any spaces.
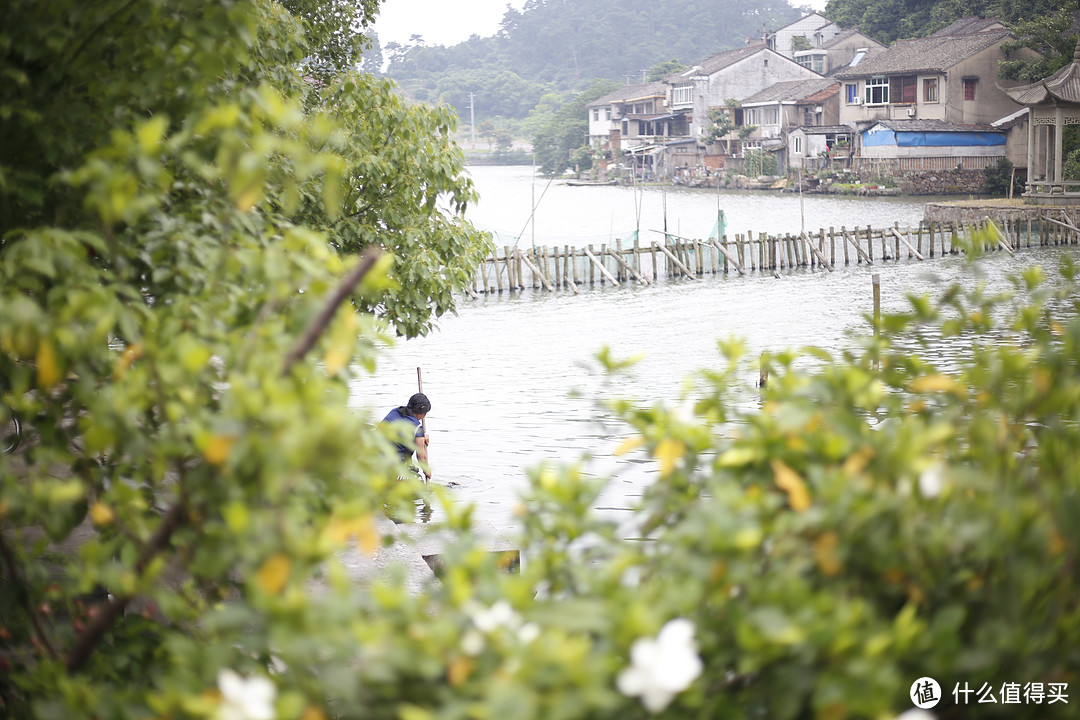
{"x":169,"y":530}
{"x":998,"y":178}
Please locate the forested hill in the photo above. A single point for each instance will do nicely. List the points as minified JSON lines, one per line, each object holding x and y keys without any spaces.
{"x":889,"y":20}
{"x":561,"y":45}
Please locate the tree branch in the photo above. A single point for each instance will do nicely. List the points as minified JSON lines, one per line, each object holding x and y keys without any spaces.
{"x":13,"y":569}
{"x":106,"y":612}
{"x":342,"y":291}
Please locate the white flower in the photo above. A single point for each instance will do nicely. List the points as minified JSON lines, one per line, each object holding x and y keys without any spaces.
{"x":241,"y":699}
{"x":472,"y":643}
{"x":661,"y":668}
{"x":498,"y":615}
{"x":915,"y":714}
{"x":528,"y":632}
{"x":932,"y":480}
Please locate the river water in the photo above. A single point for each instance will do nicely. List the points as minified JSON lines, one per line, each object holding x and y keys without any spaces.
{"x":513,"y":378}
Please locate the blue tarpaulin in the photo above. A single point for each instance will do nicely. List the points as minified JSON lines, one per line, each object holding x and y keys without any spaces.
{"x":881,"y":136}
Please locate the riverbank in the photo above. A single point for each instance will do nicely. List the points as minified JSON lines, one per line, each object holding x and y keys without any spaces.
{"x":1000,"y":210}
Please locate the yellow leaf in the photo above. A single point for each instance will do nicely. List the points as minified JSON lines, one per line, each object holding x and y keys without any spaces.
{"x":131,"y":353}
{"x":274,"y":573}
{"x":789,"y":481}
{"x":1057,"y":543}
{"x":668,"y":451}
{"x":313,"y":712}
{"x":335,"y":359}
{"x":48,"y":369}
{"x":858,"y":461}
{"x":825,"y":554}
{"x":101,"y":514}
{"x":247,"y":199}
{"x":414,"y":712}
{"x":363,"y":527}
{"x":631,"y":443}
{"x":736,"y":457}
{"x":459,"y":670}
{"x":933,"y":383}
{"x":218,"y":449}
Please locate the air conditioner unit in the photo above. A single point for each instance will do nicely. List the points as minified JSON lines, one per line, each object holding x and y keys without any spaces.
{"x":856,"y":100}
{"x":911,"y":112}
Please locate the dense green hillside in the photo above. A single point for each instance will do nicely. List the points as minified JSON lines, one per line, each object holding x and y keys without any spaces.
{"x":889,"y":20}
{"x":562,"y":45}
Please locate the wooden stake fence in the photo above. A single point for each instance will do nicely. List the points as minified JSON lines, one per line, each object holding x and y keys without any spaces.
{"x":678,"y":257}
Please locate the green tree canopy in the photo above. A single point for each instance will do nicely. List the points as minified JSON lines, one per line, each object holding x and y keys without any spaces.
{"x":566,"y":129}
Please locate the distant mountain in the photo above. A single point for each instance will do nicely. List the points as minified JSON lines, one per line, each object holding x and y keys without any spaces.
{"x":558,"y":46}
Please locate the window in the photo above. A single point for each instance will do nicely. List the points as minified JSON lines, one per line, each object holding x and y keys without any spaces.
{"x":683,"y":95}
{"x":969,"y":88}
{"x":901,"y":90}
{"x":852,"y":93}
{"x":796,"y":145}
{"x":877,"y":90}
{"x":929,"y":90}
{"x":595,"y":114}
{"x":607,"y":113}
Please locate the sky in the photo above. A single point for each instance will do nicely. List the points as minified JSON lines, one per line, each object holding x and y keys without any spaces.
{"x":440,"y":22}
{"x":447,"y":22}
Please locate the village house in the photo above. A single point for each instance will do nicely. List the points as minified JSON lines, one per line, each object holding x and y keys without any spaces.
{"x":844,"y":50}
{"x":946,"y":77}
{"x":813,"y":148}
{"x":776,"y":110}
{"x":632,"y":115}
{"x":729,"y":75}
{"x":815,"y":29}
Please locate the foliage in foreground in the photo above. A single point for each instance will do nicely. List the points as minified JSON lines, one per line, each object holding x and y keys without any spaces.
{"x":169,"y":527}
{"x":877,"y":518}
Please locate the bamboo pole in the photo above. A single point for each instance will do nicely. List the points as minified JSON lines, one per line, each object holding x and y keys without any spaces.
{"x":821,"y":258}
{"x":537,"y":274}
{"x":727,"y":256}
{"x":678,"y":263}
{"x":910,"y":247}
{"x":628,"y":268}
{"x":601,"y":267}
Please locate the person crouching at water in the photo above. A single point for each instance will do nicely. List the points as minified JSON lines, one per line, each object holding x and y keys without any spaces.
{"x":414,"y":414}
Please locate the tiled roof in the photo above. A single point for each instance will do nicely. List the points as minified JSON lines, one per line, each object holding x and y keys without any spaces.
{"x":1012,"y":119}
{"x":1064,"y":85}
{"x":716,"y":62}
{"x":934,"y":126}
{"x":630,"y":92}
{"x":932,"y":54}
{"x":790,"y":91}
{"x":824,"y":94}
{"x":844,"y":35}
{"x":826,"y":129}
{"x":969,"y":26}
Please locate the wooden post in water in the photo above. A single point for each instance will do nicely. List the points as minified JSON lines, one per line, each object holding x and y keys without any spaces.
{"x":869,"y":243}
{"x":652,"y":251}
{"x":724,"y":245}
{"x":877,"y":311}
{"x":847,"y":256}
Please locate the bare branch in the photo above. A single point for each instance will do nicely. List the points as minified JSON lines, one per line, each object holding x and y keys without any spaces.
{"x":342,"y":291}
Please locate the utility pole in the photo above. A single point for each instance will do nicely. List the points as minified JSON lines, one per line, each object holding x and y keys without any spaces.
{"x":472,"y":118}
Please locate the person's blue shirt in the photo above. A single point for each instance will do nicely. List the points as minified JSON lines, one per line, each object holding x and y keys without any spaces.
{"x":396,"y":415}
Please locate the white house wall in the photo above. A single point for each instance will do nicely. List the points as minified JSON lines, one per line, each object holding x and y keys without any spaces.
{"x":741,"y":80}
{"x":807,"y":27}
{"x":892,"y":151}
